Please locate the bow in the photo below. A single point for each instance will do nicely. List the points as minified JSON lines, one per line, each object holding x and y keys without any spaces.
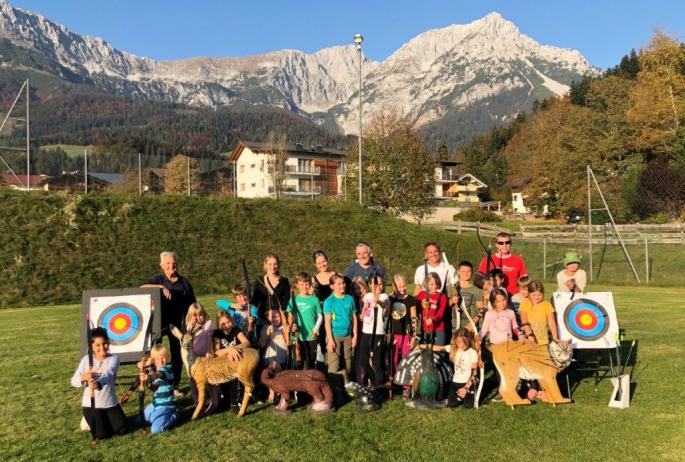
{"x":89,"y":339}
{"x":248,"y":297}
{"x":490,"y":264}
{"x":476,"y":337}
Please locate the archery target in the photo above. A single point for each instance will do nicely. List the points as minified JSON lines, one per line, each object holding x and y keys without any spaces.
{"x":128,"y":316}
{"x":123,"y":322}
{"x":589,"y":320}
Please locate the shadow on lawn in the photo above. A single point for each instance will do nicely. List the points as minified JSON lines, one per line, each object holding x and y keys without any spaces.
{"x":598,"y":365}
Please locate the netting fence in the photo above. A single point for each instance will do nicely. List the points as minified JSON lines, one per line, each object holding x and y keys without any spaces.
{"x":629,"y":230}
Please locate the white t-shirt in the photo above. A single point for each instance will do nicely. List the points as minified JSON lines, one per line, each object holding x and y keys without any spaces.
{"x":276,"y":348}
{"x":580,"y":277}
{"x":445,"y":271}
{"x":368,"y":308}
{"x":463,"y":363}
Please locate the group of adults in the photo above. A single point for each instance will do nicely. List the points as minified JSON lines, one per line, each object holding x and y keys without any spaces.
{"x":272,"y":290}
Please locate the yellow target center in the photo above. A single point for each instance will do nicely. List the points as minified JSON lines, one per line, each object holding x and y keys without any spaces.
{"x":119,"y":324}
{"x":586,"y":319}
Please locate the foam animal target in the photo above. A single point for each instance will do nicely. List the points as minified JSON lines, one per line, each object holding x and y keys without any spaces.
{"x":589,"y":320}
{"x":128,"y":315}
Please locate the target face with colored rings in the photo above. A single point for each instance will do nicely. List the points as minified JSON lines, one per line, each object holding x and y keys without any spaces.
{"x":122,"y":321}
{"x":586,"y":319}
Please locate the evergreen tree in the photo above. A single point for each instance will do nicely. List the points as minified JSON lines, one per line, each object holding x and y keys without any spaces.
{"x":443,"y":152}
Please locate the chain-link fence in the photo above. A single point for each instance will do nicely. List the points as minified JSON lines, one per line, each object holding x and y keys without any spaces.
{"x":655,"y":262}
{"x":629,"y":230}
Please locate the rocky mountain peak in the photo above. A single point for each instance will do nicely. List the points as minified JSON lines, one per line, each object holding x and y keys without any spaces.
{"x":459,"y":69}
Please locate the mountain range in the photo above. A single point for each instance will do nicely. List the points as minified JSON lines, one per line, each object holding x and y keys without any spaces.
{"x":452,"y":82}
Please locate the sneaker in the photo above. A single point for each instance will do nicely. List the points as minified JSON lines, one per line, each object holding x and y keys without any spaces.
{"x":178,"y":393}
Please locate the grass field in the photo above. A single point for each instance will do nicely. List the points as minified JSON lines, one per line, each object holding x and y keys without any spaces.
{"x":72,"y":150}
{"x":39,"y":352}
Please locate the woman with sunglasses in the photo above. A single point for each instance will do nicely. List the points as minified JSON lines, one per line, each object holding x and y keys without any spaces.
{"x":511,"y":264}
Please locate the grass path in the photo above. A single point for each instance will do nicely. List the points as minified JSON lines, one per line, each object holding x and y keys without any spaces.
{"x":40,"y":411}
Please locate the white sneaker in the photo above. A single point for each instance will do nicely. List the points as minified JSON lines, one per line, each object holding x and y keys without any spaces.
{"x":178,"y":393}
{"x":84,"y":425}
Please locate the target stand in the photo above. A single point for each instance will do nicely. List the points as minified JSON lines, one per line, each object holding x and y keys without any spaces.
{"x":589,"y":321}
{"x":131,"y":317}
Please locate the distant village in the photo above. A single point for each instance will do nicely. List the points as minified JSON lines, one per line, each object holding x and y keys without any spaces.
{"x":310,"y":172}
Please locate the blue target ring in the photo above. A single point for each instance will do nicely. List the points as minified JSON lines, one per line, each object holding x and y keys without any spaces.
{"x":122,"y":321}
{"x":586,"y":319}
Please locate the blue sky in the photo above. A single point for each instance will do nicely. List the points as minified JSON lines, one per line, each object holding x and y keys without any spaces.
{"x":603,"y":31}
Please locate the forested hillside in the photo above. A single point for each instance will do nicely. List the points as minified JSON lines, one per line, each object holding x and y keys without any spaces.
{"x":626,"y":124}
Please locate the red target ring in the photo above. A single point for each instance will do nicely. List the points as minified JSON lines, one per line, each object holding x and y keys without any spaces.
{"x":123,"y":322}
{"x":586,"y":319}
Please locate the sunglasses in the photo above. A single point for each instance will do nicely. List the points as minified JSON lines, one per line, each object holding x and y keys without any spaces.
{"x":503,"y":242}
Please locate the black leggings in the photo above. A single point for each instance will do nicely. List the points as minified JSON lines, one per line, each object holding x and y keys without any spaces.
{"x":453,"y":400}
{"x":364,"y":369}
{"x":308,"y":354}
{"x":108,"y":422}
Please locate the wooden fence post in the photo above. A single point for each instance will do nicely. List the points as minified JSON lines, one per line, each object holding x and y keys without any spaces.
{"x":646,"y":261}
{"x":544,"y":259}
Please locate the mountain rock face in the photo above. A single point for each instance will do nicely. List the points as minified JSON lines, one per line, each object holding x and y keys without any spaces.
{"x":453,"y":82}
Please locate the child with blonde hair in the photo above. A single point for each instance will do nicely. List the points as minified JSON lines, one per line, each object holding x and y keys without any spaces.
{"x":198,"y":319}
{"x":372,"y":342}
{"x":521,"y":295}
{"x":465,"y":360}
{"x":306,"y":319}
{"x":537,"y":315}
{"x":401,"y":303}
{"x":161,"y":413}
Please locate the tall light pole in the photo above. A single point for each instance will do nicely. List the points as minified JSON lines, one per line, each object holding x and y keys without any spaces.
{"x":358,"y":39}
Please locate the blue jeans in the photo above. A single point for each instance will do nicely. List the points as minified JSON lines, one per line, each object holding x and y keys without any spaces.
{"x":161,"y":418}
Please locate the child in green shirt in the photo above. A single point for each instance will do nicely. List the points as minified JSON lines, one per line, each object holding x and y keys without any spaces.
{"x":305,"y":315}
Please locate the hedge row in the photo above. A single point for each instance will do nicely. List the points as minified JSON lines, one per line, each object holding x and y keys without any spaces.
{"x":52,"y":247}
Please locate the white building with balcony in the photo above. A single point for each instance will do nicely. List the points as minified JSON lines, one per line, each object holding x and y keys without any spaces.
{"x":452,"y":183}
{"x":310,"y":172}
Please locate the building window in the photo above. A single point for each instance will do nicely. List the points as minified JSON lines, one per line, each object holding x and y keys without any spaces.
{"x":304,"y":165}
{"x":242,"y":186}
{"x":261,"y":166}
{"x":252,"y":165}
{"x":253,"y":185}
{"x":242,"y":168}
{"x":263,"y":183}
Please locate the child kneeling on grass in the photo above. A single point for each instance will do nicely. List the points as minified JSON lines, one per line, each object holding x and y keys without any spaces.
{"x":465,"y":360}
{"x":107,"y":419}
{"x":161,"y":413}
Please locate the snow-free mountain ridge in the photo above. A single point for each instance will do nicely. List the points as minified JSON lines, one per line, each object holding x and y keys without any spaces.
{"x":482,"y":74}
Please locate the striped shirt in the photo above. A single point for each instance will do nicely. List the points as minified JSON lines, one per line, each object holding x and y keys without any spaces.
{"x":164,"y":388}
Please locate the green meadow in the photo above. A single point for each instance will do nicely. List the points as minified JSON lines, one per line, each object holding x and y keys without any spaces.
{"x":39,"y":351}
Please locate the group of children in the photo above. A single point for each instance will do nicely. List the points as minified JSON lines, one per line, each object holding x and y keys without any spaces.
{"x":359,"y":332}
